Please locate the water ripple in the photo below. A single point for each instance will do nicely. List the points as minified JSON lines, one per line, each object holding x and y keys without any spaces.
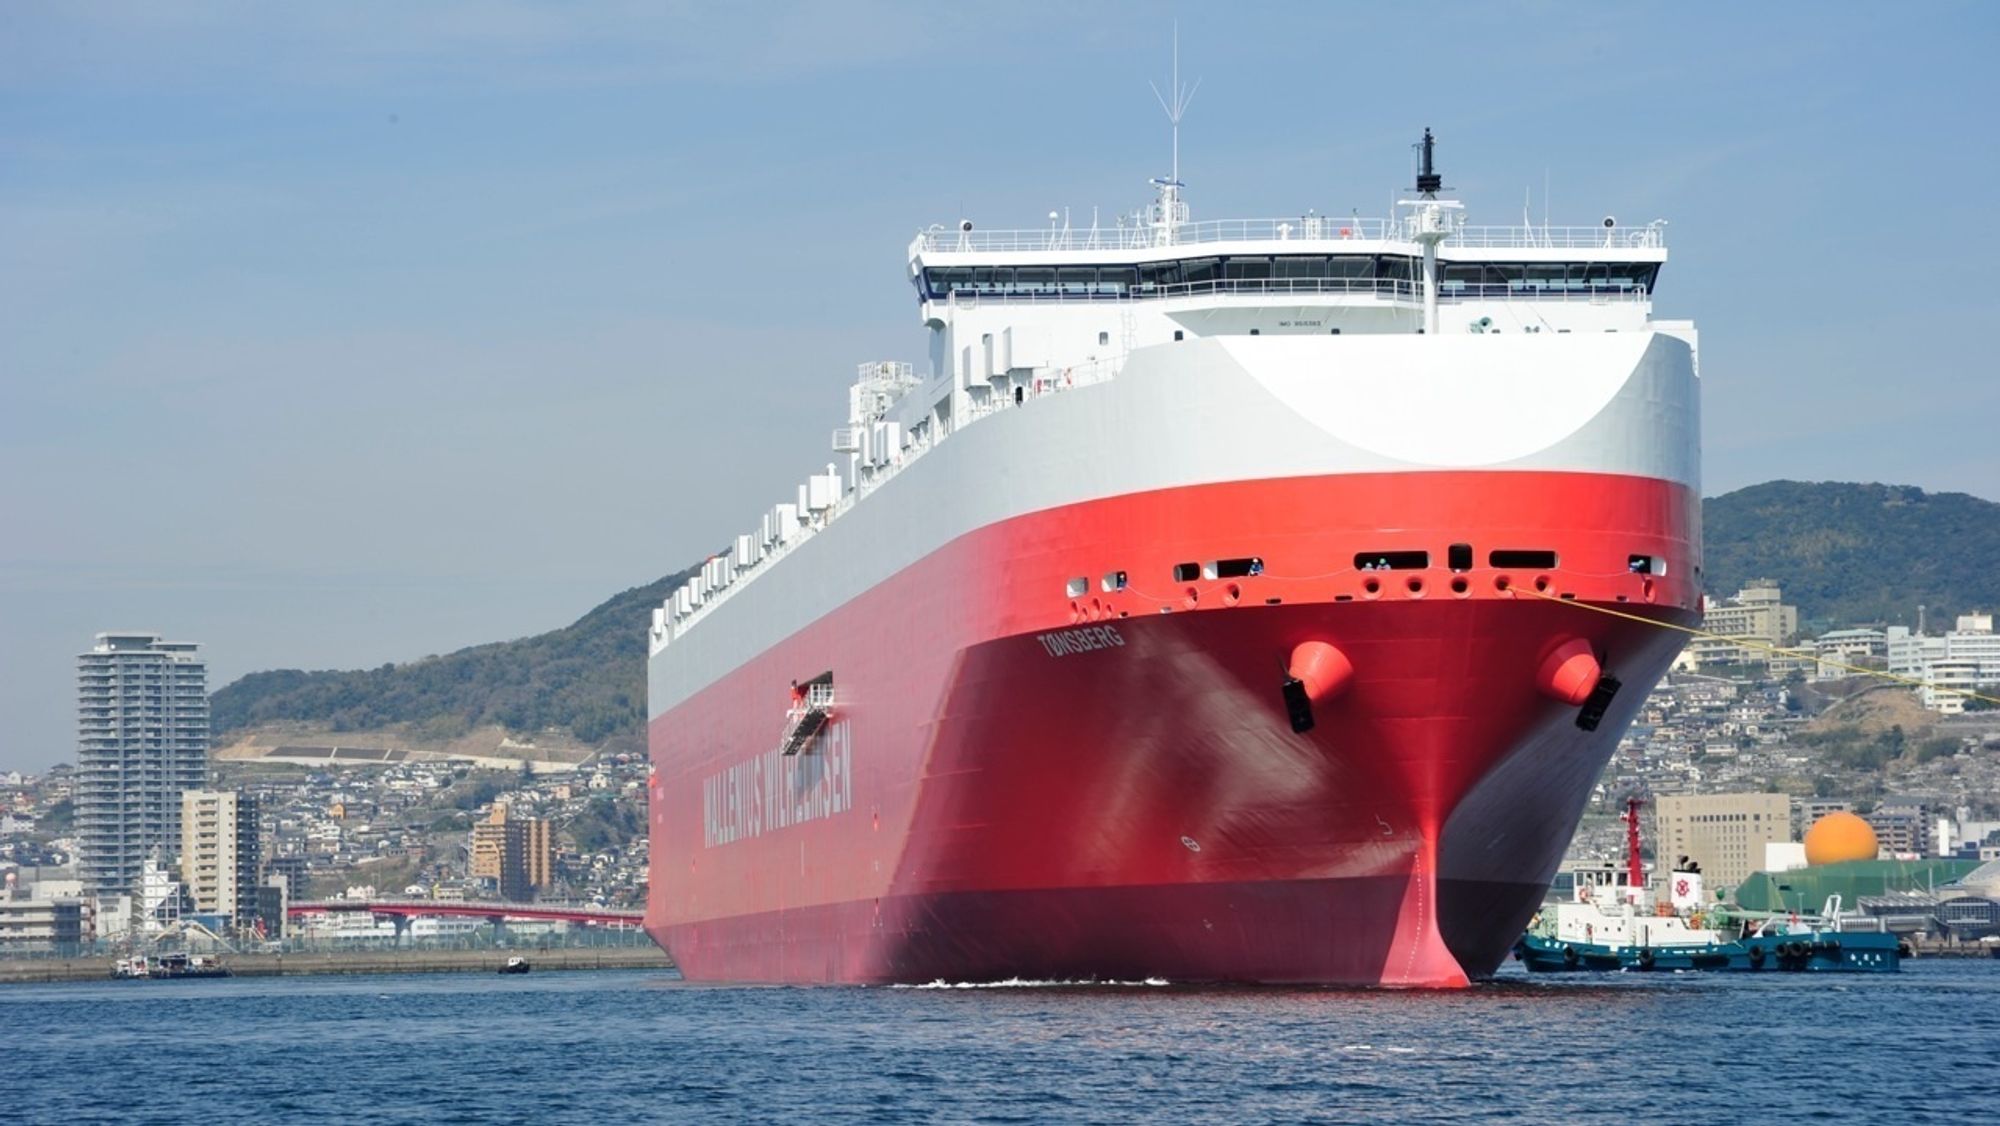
{"x":613,"y":1047}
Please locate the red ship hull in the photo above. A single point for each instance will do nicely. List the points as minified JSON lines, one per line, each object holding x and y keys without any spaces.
{"x":1023,"y":784}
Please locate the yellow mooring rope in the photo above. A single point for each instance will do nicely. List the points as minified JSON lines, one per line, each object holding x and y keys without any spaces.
{"x":1877,"y":673}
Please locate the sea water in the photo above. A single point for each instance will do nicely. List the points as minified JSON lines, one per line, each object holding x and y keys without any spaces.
{"x":604,"y":1047}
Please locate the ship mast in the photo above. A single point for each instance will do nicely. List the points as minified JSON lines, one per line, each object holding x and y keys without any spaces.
{"x":1433,"y":221}
{"x":1170,"y":210}
{"x":1635,"y":870}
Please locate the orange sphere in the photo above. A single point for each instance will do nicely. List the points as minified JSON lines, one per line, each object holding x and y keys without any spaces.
{"x":1840,"y":836}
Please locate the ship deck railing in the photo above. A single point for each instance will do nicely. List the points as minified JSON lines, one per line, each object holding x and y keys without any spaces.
{"x":1395,"y":290}
{"x":1057,"y":381}
{"x":1301,"y":228}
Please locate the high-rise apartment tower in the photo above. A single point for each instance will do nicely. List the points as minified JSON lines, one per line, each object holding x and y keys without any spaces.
{"x":142,"y":740}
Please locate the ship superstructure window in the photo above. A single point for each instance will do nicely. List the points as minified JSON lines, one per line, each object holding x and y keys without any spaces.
{"x":1501,"y":279}
{"x":1246,"y":268}
{"x":1385,"y":273}
{"x":1287,"y":273}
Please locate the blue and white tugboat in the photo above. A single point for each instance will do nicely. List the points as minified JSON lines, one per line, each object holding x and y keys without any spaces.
{"x":1619,"y":927}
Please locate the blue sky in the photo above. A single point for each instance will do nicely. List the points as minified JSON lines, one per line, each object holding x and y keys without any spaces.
{"x":334,"y":335}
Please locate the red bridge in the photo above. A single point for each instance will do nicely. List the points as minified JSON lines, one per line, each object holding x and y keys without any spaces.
{"x":468,"y":909}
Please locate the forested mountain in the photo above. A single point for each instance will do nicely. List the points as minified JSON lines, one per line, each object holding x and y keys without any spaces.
{"x":588,"y":678}
{"x":1854,"y":554}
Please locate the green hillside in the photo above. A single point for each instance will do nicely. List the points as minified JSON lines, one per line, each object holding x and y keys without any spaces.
{"x":1848,"y":553}
{"x":588,"y":678}
{"x":1857,"y":553}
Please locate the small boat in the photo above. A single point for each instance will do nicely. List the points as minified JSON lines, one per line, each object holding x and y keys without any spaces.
{"x":169,"y":966}
{"x":1619,"y":927}
{"x":515,"y":965}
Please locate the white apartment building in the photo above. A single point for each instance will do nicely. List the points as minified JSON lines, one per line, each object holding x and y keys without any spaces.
{"x":1963,"y":661}
{"x":1847,"y":647}
{"x":219,"y":853}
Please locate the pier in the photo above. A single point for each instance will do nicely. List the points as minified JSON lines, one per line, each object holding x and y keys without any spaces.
{"x":98,"y":967}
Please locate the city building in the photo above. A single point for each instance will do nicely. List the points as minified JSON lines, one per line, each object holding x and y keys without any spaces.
{"x":220,"y":853}
{"x":1807,"y":811}
{"x":1724,"y":833}
{"x":1843,"y":650}
{"x":54,"y":926}
{"x":292,"y":868}
{"x":1909,"y":652}
{"x":1904,"y":826}
{"x":1963,"y":662}
{"x":142,"y":740}
{"x":273,"y":898}
{"x":514,"y":852}
{"x":1756,"y":614}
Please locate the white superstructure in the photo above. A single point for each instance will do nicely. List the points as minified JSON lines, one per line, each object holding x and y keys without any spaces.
{"x":1318,"y":311}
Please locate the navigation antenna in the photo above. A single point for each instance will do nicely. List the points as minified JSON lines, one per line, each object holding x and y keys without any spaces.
{"x":1170,"y":211}
{"x":1432,"y":221}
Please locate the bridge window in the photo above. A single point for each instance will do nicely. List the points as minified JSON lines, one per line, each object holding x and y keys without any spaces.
{"x":1299,"y":267}
{"x":1495,"y":279}
{"x":1543,"y":275}
{"x":1353,"y":266}
{"x":1035,"y":280}
{"x":1116,"y":280}
{"x":1245,"y":268}
{"x":943,"y":282}
{"x":1243,"y":273}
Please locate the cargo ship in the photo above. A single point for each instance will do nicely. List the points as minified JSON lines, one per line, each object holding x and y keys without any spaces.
{"x":1240,"y":600}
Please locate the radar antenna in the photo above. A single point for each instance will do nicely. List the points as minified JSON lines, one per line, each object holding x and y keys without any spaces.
{"x":1429,"y":182}
{"x":1433,"y":221}
{"x":1169,"y":212}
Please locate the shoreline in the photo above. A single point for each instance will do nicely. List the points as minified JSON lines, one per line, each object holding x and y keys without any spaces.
{"x":98,"y":967}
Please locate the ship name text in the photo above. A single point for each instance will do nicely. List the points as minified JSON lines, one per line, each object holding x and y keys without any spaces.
{"x":1063,"y":642}
{"x":775,"y":791}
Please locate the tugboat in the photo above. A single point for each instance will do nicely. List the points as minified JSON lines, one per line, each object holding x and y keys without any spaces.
{"x":515,"y":965}
{"x":1620,"y":928}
